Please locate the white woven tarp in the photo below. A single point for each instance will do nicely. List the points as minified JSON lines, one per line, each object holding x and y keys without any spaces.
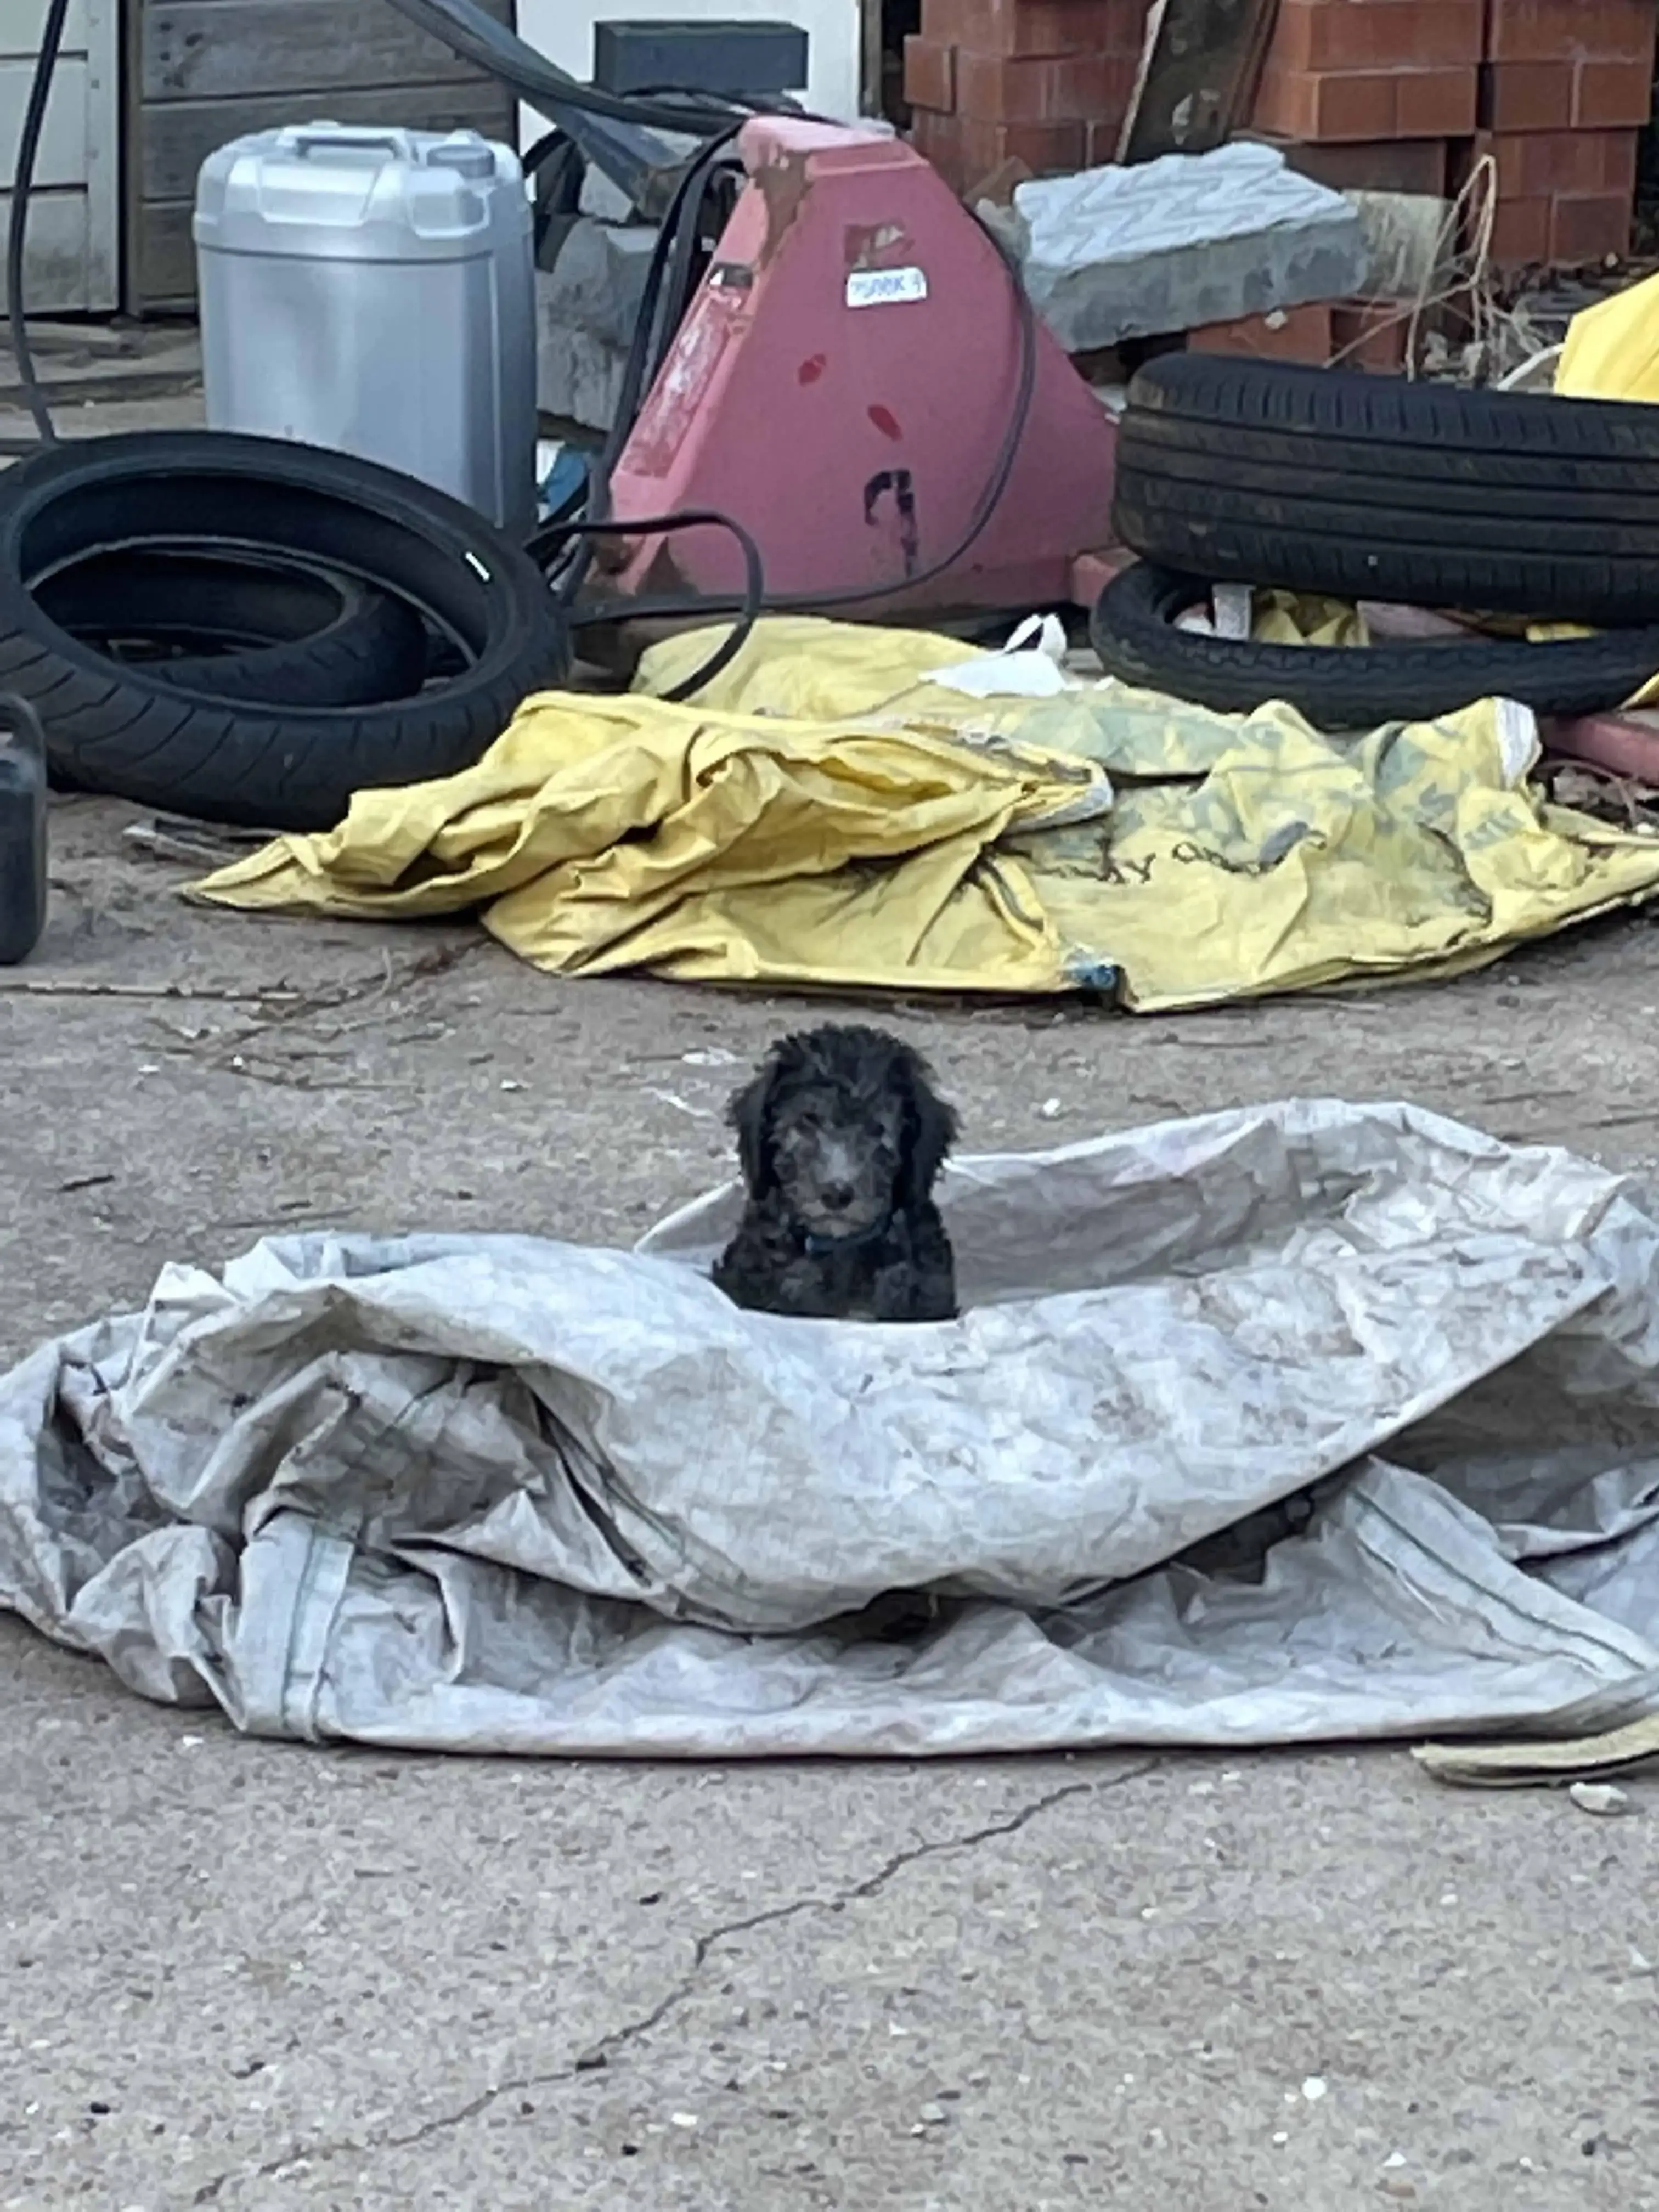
{"x":499,"y":1494}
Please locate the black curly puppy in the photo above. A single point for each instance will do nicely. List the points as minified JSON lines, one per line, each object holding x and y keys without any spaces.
{"x":841,"y":1136}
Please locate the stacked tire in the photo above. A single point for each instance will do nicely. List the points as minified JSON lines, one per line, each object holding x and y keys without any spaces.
{"x":1357,"y":487}
{"x":251,"y":631}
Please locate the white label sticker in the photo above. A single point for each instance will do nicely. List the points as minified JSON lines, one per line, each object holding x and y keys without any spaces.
{"x":885,"y":287}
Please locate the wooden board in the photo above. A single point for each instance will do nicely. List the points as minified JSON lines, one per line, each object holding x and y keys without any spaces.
{"x":1198,"y":76}
{"x":203,"y":72}
{"x":179,"y":136}
{"x":229,"y":49}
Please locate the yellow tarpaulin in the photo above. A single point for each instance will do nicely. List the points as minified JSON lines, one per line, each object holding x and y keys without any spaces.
{"x":1612,"y":352}
{"x":825,"y":815}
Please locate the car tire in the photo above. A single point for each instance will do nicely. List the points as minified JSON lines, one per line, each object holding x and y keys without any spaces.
{"x":269,"y":632}
{"x":120,"y":728}
{"x":1366,"y":487}
{"x":1132,"y":629}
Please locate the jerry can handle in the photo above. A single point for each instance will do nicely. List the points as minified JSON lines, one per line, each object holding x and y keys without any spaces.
{"x":18,"y":718}
{"x":336,"y":138}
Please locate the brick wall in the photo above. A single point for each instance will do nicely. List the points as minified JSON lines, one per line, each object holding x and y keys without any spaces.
{"x":1044,"y":82}
{"x":1556,"y":91}
{"x":1392,"y":94}
{"x":1566,"y":88}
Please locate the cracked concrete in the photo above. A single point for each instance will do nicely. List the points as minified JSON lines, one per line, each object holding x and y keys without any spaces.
{"x":253,"y":1975}
{"x":311,"y":2156}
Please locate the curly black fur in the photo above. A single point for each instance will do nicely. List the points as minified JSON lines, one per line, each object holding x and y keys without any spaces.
{"x":841,"y":1136}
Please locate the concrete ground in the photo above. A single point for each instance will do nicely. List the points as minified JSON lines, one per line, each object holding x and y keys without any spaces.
{"x":252,"y":1976}
{"x":247,"y":1975}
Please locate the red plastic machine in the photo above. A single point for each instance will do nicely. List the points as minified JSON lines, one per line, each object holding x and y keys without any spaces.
{"x":846,"y":385}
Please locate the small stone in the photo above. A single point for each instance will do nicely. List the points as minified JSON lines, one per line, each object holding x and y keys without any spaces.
{"x":935,"y":2116}
{"x":1050,"y":1110}
{"x":1280,"y":2137}
{"x":507,"y":1084}
{"x":684,"y":2119}
{"x":1394,"y":2157}
{"x":1313,"y":2089}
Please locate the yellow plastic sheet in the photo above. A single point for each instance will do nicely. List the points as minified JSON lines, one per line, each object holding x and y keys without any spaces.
{"x":1612,"y":352}
{"x":827,"y":814}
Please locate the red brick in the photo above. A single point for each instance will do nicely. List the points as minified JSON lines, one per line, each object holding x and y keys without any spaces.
{"x":1327,"y":104}
{"x":1570,"y":30}
{"x":965,"y":149}
{"x":1439,"y":103}
{"x":1543,"y":164}
{"x":1521,"y":233}
{"x":1612,"y":95}
{"x":1371,"y":334}
{"x":1369,"y":34}
{"x":1589,"y":226}
{"x":1334,"y":105}
{"x":1527,"y":96}
{"x":1038,"y":27}
{"x":1373,"y":165}
{"x":1101,"y":144}
{"x":1287,"y":334}
{"x":1034,"y":89}
{"x":930,"y":73}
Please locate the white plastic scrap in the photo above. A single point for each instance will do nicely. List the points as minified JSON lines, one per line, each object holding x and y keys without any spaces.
{"x":1029,"y":666}
{"x":1605,"y":1799}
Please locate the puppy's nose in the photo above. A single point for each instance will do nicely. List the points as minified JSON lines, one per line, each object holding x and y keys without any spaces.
{"x":837,"y":1196}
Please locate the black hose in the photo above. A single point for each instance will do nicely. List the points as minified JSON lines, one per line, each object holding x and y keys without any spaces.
{"x":28,"y":149}
{"x":658,"y":310}
{"x":754,"y":578}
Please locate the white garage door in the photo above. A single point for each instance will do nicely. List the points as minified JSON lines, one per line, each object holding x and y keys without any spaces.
{"x":74,"y":209}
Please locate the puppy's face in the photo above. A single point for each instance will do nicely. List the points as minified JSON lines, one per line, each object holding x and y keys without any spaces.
{"x":836,"y":1156}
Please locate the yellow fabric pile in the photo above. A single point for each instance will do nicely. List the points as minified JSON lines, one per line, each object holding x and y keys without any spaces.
{"x":825,"y":813}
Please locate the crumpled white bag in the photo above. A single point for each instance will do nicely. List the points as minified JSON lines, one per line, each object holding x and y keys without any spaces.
{"x":499,"y":1494}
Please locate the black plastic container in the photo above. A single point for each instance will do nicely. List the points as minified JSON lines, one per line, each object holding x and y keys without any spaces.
{"x":22,"y":830}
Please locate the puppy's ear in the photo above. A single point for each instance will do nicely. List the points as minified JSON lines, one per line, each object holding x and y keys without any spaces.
{"x":932,"y":1128}
{"x":751,"y":1114}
